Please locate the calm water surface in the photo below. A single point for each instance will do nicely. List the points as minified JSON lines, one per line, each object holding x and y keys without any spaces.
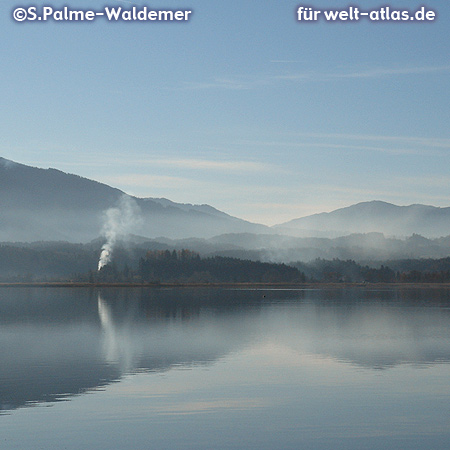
{"x":224,"y":369}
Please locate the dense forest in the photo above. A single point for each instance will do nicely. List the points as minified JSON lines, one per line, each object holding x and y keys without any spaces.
{"x":394,"y":271}
{"x":76,"y":262}
{"x":187,"y":266}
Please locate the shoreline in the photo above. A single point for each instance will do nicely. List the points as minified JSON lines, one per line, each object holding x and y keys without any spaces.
{"x":300,"y":286}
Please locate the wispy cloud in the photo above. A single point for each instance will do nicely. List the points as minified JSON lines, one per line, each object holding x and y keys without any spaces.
{"x":424,"y":182}
{"x":252,"y":82}
{"x":226,"y":166}
{"x":425,"y":141}
{"x":230,"y":83}
{"x":408,"y":145}
{"x":387,"y":72}
{"x":150,"y":181}
{"x":220,"y":189}
{"x":329,"y":145}
{"x":394,"y":145}
{"x":354,"y":192}
{"x":286,"y":61}
{"x":203,"y":164}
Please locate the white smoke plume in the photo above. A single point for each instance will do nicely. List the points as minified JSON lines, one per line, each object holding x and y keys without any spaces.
{"x":119,"y":221}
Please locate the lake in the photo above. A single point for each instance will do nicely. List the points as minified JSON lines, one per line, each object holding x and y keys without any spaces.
{"x":137,"y":368}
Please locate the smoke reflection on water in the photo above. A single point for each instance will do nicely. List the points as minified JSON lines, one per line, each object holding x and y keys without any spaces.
{"x":117,"y":346}
{"x":64,"y":342}
{"x":378,"y":330}
{"x":285,"y":369}
{"x":156,"y":334}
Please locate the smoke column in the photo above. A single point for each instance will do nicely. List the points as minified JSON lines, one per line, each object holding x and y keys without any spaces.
{"x":118,"y":222}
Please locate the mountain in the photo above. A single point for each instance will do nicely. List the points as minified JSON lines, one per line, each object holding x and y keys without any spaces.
{"x":50,"y":205}
{"x":47,"y":204}
{"x":375,"y":216}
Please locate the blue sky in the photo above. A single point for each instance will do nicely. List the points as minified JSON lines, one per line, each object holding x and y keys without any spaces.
{"x":242,"y":107}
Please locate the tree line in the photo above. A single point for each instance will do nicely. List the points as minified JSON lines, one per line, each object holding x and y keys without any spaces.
{"x":189,"y":267}
{"x":396,"y":271}
{"x":77,"y":262}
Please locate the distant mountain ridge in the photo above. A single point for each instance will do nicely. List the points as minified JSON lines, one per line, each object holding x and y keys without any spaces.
{"x":374,"y":216}
{"x":51,"y":205}
{"x":48,"y":204}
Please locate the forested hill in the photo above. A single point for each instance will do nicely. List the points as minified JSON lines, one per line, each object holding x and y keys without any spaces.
{"x":50,"y":205}
{"x":78,"y":263}
{"x":373,"y":216}
{"x":190,"y":267}
{"x":71,"y":262}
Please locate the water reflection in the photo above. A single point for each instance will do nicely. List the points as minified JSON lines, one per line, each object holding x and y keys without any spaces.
{"x":114,"y":346}
{"x":373,"y":336}
{"x":57,"y":343}
{"x":154,"y":333}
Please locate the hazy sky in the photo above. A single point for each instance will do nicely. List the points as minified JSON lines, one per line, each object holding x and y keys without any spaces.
{"x":242,"y":107}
